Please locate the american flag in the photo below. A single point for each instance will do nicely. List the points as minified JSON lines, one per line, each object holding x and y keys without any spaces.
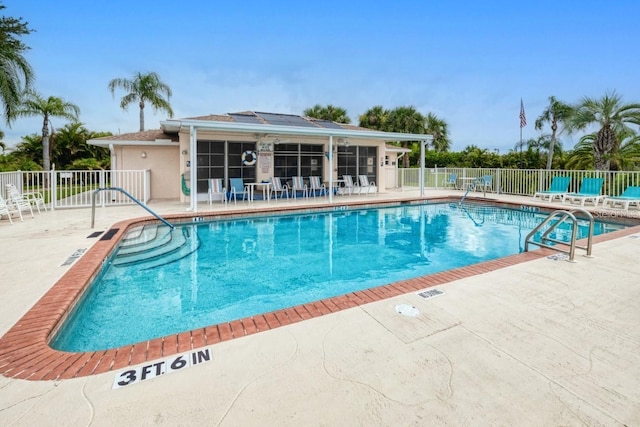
{"x":523,"y":118}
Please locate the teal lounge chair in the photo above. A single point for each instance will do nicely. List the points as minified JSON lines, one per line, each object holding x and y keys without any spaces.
{"x":630,"y":196}
{"x":589,"y":191}
{"x":559,"y":187}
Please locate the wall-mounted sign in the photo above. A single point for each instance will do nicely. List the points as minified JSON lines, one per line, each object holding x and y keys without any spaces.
{"x":265,"y":146}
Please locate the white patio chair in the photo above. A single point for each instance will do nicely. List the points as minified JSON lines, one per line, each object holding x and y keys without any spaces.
{"x":35,"y":198}
{"x":278,"y":187}
{"x":316,"y":187}
{"x":299,"y":186}
{"x":4,"y":210}
{"x":217,"y":189}
{"x":17,"y":201}
{"x":365,"y":185}
{"x":349,"y":185}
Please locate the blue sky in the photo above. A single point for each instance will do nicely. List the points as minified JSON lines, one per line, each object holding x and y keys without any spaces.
{"x":468,"y":62}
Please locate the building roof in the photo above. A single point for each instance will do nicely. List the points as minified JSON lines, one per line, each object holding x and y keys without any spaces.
{"x":252,"y":122}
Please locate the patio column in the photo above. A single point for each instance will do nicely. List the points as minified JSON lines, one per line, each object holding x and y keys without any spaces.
{"x":193,"y":165}
{"x":423,"y":143}
{"x":330,"y":189}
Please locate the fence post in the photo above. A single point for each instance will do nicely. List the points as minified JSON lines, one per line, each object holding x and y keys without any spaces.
{"x":53,"y":187}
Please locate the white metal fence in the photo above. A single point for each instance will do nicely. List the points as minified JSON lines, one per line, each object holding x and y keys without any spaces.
{"x":75,"y":189}
{"x":524,"y":182}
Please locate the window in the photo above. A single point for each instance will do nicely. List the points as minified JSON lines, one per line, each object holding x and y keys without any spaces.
{"x":298,"y":160}
{"x":358,"y":160}
{"x":211,"y":162}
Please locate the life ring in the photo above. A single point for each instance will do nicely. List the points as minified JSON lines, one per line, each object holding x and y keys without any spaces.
{"x":252,"y":158}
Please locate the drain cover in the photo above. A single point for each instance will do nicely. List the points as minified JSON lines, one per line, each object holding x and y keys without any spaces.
{"x":407,"y":310}
{"x":430,"y":293}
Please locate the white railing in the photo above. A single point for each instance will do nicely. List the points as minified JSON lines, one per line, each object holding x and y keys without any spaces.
{"x":524,"y":182}
{"x":74,"y":189}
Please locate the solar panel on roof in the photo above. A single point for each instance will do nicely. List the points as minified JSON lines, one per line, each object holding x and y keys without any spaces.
{"x":328,"y":124}
{"x":285,"y":120}
{"x":245,"y":118}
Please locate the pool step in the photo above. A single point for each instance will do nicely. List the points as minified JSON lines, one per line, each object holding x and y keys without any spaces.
{"x":141,"y":236}
{"x":166,"y":246}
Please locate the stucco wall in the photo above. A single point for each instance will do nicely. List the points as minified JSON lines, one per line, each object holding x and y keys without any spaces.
{"x":162,"y":161}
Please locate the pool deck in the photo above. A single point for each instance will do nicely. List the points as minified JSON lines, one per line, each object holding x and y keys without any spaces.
{"x":526,"y":340}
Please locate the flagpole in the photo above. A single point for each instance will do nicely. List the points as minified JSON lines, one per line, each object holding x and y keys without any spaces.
{"x":523,"y":123}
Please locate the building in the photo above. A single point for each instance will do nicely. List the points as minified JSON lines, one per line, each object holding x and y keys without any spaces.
{"x":255,"y":146}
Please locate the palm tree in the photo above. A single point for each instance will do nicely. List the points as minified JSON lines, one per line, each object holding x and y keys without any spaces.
{"x":626,"y":157}
{"x":440,"y":131}
{"x":330,"y":112}
{"x":405,"y":120}
{"x":16,"y":75}
{"x":612,"y":117}
{"x":374,"y":118}
{"x":36,"y":105}
{"x":556,"y":112}
{"x":142,"y":88}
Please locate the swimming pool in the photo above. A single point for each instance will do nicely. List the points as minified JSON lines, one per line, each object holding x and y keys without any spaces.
{"x":230,"y":269}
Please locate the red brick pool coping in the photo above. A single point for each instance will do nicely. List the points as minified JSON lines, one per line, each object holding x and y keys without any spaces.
{"x":25,"y":352}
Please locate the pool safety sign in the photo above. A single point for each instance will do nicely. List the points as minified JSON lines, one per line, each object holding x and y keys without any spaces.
{"x":153,"y":369}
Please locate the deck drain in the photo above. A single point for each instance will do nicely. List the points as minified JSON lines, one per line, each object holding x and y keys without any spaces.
{"x":430,"y":293}
{"x":407,"y":310}
{"x":77,"y":254}
{"x":559,"y":257}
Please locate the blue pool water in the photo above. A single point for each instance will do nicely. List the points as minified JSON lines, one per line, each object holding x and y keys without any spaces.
{"x":230,"y":269}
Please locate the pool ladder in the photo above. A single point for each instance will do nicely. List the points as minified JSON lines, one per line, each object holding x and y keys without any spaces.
{"x":563,"y":215}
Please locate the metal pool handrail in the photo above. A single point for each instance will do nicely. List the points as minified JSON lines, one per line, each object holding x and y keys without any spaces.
{"x":93,"y":205}
{"x":572,"y":245}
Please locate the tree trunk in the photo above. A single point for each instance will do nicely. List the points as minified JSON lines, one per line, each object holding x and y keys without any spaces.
{"x":405,"y":158}
{"x":141,"y":115}
{"x":552,"y":144}
{"x":46,"y":150}
{"x":602,"y":148}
